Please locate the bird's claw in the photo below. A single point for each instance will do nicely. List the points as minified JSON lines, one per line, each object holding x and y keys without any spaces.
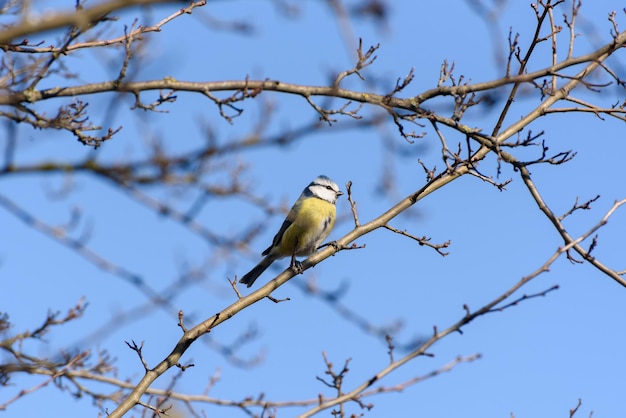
{"x":296,"y":267}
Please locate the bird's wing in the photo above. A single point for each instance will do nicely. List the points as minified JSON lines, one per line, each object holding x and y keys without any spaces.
{"x":278,"y":236}
{"x":291,"y":216}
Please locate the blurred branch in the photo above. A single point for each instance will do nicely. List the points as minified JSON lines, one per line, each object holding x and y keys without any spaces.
{"x":135,"y":34}
{"x":333,"y":299}
{"x":83,"y":17}
{"x":77,"y":245}
{"x":13,"y":347}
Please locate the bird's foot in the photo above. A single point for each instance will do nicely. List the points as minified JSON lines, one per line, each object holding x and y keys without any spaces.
{"x":296,"y":267}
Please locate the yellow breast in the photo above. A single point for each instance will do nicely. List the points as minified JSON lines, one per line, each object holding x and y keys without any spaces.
{"x":314,"y":219}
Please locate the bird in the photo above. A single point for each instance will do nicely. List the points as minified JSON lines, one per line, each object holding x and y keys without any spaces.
{"x":307,"y":224}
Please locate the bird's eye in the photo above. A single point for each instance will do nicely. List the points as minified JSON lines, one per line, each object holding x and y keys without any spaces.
{"x":329,"y":188}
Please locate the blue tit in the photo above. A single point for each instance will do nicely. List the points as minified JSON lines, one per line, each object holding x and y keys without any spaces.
{"x":307,"y":224}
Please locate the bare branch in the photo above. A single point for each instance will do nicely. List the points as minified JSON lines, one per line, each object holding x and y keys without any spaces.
{"x":82,"y":18}
{"x":422,"y":241}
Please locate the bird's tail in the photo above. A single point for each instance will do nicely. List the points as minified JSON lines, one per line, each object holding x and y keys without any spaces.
{"x":249,"y":278}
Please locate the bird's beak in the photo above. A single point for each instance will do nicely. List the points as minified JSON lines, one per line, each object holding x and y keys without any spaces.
{"x":339,"y":193}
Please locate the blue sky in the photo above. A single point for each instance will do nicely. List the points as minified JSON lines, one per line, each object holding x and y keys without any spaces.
{"x":537,"y":359}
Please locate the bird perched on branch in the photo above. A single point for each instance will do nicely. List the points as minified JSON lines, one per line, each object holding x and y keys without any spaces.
{"x":307,"y":224}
